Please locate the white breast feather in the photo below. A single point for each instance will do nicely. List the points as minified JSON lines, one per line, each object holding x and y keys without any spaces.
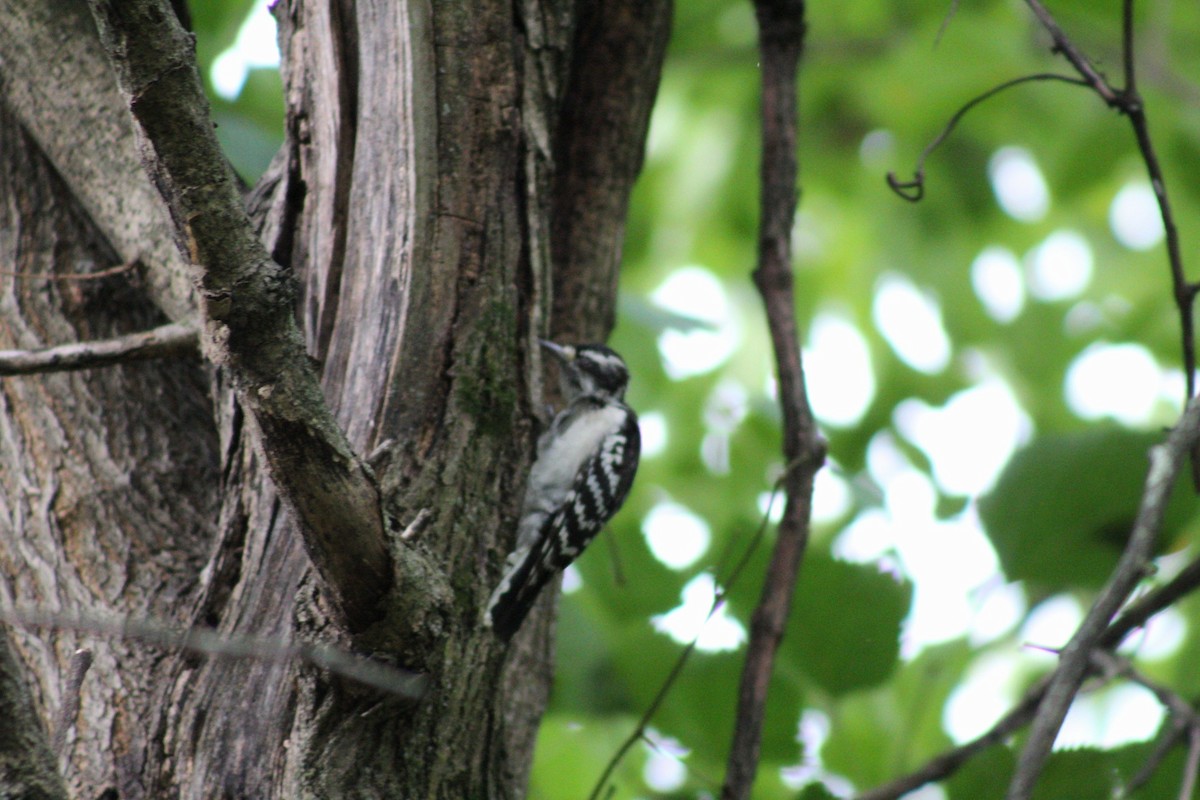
{"x":558,"y":462}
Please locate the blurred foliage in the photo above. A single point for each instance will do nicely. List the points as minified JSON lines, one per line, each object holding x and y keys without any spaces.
{"x":1073,"y":493}
{"x":879,"y":80}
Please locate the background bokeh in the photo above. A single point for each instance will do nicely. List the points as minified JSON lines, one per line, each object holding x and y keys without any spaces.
{"x":989,"y":365}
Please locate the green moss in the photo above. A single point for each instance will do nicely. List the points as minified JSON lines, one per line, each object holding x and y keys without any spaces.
{"x":485,"y":385}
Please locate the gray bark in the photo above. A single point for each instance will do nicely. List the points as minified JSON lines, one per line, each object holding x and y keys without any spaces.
{"x":453,"y":186}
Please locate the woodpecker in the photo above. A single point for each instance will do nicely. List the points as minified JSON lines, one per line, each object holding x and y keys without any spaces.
{"x":585,"y":465}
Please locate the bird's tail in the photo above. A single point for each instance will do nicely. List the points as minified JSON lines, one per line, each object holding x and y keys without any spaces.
{"x":517,"y":592}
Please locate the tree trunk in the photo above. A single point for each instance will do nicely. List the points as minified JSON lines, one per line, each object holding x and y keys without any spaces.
{"x":453,"y":186}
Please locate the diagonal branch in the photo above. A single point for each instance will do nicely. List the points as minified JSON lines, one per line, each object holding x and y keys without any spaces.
{"x":1165,"y":462}
{"x":167,"y":341}
{"x":1129,"y":102}
{"x":781,"y":40}
{"x":247,"y":307}
{"x":1135,"y":615}
{"x":1078,"y":59}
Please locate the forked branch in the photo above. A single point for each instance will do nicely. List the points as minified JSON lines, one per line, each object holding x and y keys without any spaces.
{"x":247,"y":307}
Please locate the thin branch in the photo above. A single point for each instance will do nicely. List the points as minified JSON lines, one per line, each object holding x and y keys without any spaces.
{"x":946,"y":20}
{"x":1082,"y":64}
{"x":205,"y":641}
{"x":168,"y":341}
{"x":1185,"y":293}
{"x":781,"y":27}
{"x":247,"y":302}
{"x":614,"y":553}
{"x":1165,"y":462}
{"x":1139,"y":612}
{"x":1187,"y":787}
{"x":1129,"y":103}
{"x":946,"y":764}
{"x":1183,"y":719}
{"x":1127,"y":57}
{"x":914,"y":190}
{"x":1114,"y":665}
{"x":640,"y":730}
{"x":722,"y":590}
{"x":1167,"y":741}
{"x":71,"y":276}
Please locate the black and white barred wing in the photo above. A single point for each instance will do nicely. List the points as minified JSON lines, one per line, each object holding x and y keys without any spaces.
{"x":599,"y":489}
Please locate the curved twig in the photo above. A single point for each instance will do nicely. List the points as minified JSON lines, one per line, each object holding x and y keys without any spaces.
{"x":914,"y":190}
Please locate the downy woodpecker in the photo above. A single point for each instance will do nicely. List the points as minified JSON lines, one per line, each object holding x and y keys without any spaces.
{"x":585,"y":465}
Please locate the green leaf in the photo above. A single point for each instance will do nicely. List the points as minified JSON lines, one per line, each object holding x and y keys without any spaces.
{"x":815,"y":791}
{"x":845,"y":627}
{"x":1061,"y":513}
{"x":1083,"y":774}
{"x":572,"y":752}
{"x":861,"y":745}
{"x":984,"y":776}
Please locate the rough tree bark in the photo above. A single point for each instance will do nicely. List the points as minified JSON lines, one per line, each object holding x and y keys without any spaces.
{"x":453,"y":185}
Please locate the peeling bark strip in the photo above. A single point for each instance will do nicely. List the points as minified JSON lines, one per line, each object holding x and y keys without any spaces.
{"x":247,"y":302}
{"x":781,"y":40}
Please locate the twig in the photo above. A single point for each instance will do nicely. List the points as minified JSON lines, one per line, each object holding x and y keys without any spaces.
{"x":1112,"y":664}
{"x":1167,"y":741}
{"x":722,"y":590}
{"x":81,"y":661}
{"x":71,"y":276}
{"x":1183,"y":716}
{"x":369,"y":672}
{"x":614,"y":552}
{"x":946,"y":20}
{"x":947,"y":763}
{"x":914,"y":190}
{"x":1073,"y":54}
{"x":167,"y":341}
{"x":1165,"y":460}
{"x":1129,"y":102}
{"x":640,"y":730}
{"x":1127,"y":47}
{"x":1184,"y":292}
{"x":1137,"y":613}
{"x":1188,"y":786}
{"x":417,"y":526}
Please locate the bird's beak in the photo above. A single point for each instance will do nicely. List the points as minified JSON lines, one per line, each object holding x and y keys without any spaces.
{"x":565,"y":353}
